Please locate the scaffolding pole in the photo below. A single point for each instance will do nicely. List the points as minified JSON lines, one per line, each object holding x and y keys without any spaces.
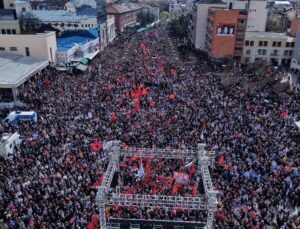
{"x":206,"y":159}
{"x":207,"y":202}
{"x":102,"y":193}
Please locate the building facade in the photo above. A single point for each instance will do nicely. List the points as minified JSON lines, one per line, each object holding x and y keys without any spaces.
{"x":41,"y":45}
{"x":276,"y":48}
{"x":125,"y":14}
{"x":295,"y":63}
{"x":225,"y":32}
{"x":198,"y":23}
{"x":72,"y":46}
{"x":257,"y":16}
{"x":9,"y":24}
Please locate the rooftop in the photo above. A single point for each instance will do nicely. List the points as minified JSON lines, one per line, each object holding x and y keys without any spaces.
{"x":122,"y":8}
{"x":211,"y":2}
{"x":271,"y":35}
{"x":86,"y":10}
{"x":15,"y":69}
{"x":58,"y":16}
{"x":73,"y":38}
{"x":7,"y":14}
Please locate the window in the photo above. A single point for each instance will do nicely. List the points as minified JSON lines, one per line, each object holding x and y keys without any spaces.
{"x":8,"y":31}
{"x":11,"y":5}
{"x":287,"y":44}
{"x":23,"y":9}
{"x":265,"y":43}
{"x":260,"y":43}
{"x":13,"y":49}
{"x":51,"y":57}
{"x":278,"y":44}
{"x":13,"y":31}
{"x":251,"y":43}
{"x":2,"y":48}
{"x":27,"y":51}
{"x":3,"y":31}
{"x":246,"y":43}
{"x":248,"y":52}
{"x":262,"y":52}
{"x":274,"y":44}
{"x":292,"y":44}
{"x":291,"y":52}
{"x":286,"y":52}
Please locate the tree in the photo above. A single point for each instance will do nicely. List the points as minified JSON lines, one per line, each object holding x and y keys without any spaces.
{"x":165,"y":15}
{"x":145,"y":18}
{"x":179,"y":27}
{"x":28,"y":22}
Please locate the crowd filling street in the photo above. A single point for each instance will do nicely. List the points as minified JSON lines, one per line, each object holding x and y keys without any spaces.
{"x":136,"y":92}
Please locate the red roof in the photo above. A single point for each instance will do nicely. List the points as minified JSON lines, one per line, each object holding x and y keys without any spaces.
{"x":122,"y":8}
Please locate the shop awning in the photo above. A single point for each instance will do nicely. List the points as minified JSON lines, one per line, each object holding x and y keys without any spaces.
{"x":81,"y":67}
{"x":84,"y":61}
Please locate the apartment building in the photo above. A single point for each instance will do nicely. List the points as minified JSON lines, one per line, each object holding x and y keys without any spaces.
{"x":276,"y":48}
{"x":225,"y":32}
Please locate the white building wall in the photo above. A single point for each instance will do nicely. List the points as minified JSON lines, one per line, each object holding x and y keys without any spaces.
{"x":40,"y":45}
{"x":257,"y":16}
{"x":201,"y":24}
{"x":9,"y":4}
{"x":251,"y":53}
{"x":10,"y":25}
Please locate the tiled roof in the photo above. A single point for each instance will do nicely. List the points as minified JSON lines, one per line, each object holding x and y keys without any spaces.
{"x":122,"y":8}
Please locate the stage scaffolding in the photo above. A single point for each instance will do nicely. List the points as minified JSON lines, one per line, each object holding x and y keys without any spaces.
{"x":106,"y":196}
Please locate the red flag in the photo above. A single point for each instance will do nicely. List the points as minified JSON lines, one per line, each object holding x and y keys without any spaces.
{"x":96,"y":146}
{"x":148,"y":167}
{"x":221,"y":161}
{"x":173,"y":72}
{"x":176,"y":188}
{"x":114,"y":117}
{"x":152,"y":104}
{"x":98,"y":182}
{"x":172,"y":96}
{"x":194,"y":193}
{"x":193,"y":170}
{"x":284,"y":114}
{"x":91,"y":225}
{"x":47,"y":82}
{"x":160,"y":70}
{"x":154,"y":190}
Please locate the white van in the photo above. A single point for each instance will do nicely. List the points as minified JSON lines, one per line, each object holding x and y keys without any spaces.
{"x":8,"y":144}
{"x":16,"y":116}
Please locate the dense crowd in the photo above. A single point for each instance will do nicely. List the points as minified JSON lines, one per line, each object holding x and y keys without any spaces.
{"x":159,"y":177}
{"x":135,"y":92}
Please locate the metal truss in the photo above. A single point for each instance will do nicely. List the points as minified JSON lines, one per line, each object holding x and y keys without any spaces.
{"x":207,"y":202}
{"x":192,"y":203}
{"x":161,"y":153}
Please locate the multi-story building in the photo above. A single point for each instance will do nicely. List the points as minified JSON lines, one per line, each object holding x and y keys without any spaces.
{"x":41,"y":45}
{"x":295,"y":64}
{"x":7,"y":4}
{"x":125,"y":14}
{"x":276,"y":48}
{"x":9,"y":24}
{"x":198,"y":22}
{"x":257,"y":16}
{"x":225,"y":32}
